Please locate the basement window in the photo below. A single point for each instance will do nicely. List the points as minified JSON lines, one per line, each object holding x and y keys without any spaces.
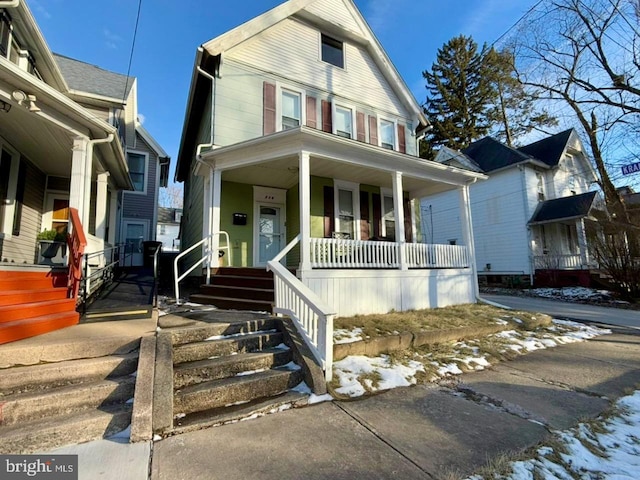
{"x":332,"y":51}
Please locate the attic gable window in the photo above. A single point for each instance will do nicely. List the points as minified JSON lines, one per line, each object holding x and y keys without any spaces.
{"x":332,"y":51}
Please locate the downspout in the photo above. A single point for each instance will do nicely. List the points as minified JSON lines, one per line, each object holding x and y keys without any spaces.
{"x":88,"y":168}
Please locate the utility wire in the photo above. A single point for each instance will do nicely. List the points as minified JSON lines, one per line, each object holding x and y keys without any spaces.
{"x":133,"y":46}
{"x":517,"y":22}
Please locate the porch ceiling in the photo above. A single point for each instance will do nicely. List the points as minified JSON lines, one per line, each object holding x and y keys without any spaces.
{"x":273,"y":160}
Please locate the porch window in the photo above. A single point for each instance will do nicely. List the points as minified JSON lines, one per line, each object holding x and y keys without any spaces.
{"x":332,"y":51}
{"x":5,"y":33}
{"x":291,"y":111}
{"x":138,"y":171}
{"x":344,"y":122}
{"x":387,"y":135}
{"x":346,"y":216}
{"x":388,"y":218}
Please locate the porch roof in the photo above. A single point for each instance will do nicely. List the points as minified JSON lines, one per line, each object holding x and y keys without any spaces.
{"x":562,"y":209}
{"x":273,"y":160}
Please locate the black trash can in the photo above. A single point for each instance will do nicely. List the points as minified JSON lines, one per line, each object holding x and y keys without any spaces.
{"x":148,"y":252}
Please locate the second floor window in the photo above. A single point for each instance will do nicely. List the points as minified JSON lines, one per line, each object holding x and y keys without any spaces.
{"x":291,"y":111}
{"x":540,"y":186}
{"x":387,"y":135}
{"x":344,"y":122}
{"x":332,"y":51}
{"x":137,"y":170}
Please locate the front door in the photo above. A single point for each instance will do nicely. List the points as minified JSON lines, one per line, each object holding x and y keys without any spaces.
{"x":270,"y":232}
{"x":134,"y":234}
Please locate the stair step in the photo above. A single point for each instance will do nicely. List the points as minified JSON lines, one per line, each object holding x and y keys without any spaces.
{"x":239,"y":281}
{"x":17,"y":330}
{"x":263,"y":294}
{"x":220,"y":416}
{"x":10,"y":313}
{"x":40,"y":377}
{"x":232,"y":303}
{"x":200,"y":371}
{"x":54,"y":432}
{"x":244,"y":272}
{"x":200,"y":332}
{"x":23,"y":407}
{"x":230,"y":391}
{"x":16,"y":297}
{"x":227,"y":346}
{"x":13,"y":280}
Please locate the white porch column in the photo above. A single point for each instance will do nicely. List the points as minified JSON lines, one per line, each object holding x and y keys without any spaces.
{"x":398,"y":214}
{"x":582,"y":243}
{"x":467,"y":233}
{"x":216,"y":187}
{"x":305,"y":211}
{"x":101,"y":205}
{"x":78,"y":177}
{"x":113,"y":218}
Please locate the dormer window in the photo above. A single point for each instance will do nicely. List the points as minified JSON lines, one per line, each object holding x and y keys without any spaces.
{"x":332,"y":51}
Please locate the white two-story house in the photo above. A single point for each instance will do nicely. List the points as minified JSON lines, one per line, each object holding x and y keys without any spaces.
{"x":529,"y":216}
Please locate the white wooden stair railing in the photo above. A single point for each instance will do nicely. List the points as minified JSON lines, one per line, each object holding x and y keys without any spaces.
{"x":207,"y":241}
{"x":311,"y":316}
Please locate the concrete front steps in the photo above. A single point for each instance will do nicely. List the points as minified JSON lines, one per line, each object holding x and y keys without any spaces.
{"x":50,"y":405}
{"x":223,"y":372}
{"x":238,"y":289}
{"x":34,"y":302}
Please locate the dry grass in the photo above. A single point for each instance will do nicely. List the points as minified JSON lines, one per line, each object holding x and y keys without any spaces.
{"x":471,"y":315}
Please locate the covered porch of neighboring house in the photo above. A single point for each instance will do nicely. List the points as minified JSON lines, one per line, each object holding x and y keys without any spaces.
{"x":559,"y":241}
{"x":55,"y":157}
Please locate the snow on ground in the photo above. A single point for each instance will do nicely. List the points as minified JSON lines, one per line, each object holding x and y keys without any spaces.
{"x":610,"y":451}
{"x":572,"y":293}
{"x":357,"y":375}
{"x":342,"y":335}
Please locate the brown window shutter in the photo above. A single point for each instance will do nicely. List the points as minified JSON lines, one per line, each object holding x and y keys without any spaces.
{"x":329,"y":216}
{"x":327,"y":122}
{"x":373,"y":130}
{"x":312,"y":118}
{"x":362,"y":133}
{"x":269,"y":113}
{"x":402,"y":141}
{"x":408,"y":234}
{"x":365,"y":232}
{"x":377,"y":214}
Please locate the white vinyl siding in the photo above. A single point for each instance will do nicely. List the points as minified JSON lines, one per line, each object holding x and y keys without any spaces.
{"x":335,"y":12}
{"x":361,"y":82}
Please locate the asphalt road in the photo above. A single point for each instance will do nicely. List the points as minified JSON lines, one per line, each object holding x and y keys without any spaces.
{"x":577,"y":311}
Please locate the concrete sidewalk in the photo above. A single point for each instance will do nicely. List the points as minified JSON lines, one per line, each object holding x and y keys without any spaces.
{"x":418,"y":432}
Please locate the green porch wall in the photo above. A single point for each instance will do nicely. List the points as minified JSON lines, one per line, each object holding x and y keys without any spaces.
{"x":317,"y":204}
{"x":238,"y":198}
{"x":293,"y":224}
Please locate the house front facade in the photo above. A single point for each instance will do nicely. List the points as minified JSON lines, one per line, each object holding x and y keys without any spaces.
{"x":529,"y":216}
{"x":299,"y":127}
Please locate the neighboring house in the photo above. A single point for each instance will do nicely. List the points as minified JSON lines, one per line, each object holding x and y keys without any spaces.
{"x":168,"y":230}
{"x":529,"y":216}
{"x":65,"y":132}
{"x":299,"y":131}
{"x":112,"y":97}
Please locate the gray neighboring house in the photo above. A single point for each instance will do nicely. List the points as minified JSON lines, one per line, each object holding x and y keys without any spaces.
{"x":168,"y":229}
{"x":114,"y":98}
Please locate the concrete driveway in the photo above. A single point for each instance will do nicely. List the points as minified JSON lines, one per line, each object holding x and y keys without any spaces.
{"x":577,"y":311}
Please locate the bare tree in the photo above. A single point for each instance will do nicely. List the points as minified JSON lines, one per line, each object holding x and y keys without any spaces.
{"x":585,"y":54}
{"x":171,"y":196}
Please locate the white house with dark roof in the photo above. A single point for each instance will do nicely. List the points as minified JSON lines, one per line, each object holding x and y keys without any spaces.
{"x":70,"y":147}
{"x":529,"y":216}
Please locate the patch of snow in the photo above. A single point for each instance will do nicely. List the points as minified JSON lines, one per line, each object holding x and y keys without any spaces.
{"x":178,"y":416}
{"x":241,"y":402}
{"x":292,"y":366}
{"x":313,"y":398}
{"x":572,"y":293}
{"x":500,"y":321}
{"x":122,"y":435}
{"x":449,"y":369}
{"x":302,"y":387}
{"x":130,"y":401}
{"x":282,"y":346}
{"x":250,"y":372}
{"x":517,"y":320}
{"x":342,"y":335}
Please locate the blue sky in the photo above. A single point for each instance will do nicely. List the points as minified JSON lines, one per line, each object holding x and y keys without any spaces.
{"x":100,"y":32}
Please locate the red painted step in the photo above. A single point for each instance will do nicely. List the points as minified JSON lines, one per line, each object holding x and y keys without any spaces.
{"x":17,"y":330}
{"x":16,"y":297}
{"x":10,"y":313}
{"x":15,"y":280}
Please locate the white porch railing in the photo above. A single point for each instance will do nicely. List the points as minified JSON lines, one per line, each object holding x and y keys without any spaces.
{"x":208,"y":255}
{"x":311,"y":316}
{"x":559,"y":262}
{"x":341,"y":253}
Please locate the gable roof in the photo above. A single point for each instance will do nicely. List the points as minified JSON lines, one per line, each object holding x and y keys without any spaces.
{"x":84,"y":77}
{"x":454,"y":158}
{"x":550,"y":149}
{"x":565,"y":208}
{"x":490,"y":154}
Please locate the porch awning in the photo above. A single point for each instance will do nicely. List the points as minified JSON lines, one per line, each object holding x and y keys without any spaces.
{"x":563,"y":209}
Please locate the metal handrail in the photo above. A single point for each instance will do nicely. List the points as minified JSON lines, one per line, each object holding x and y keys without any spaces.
{"x":98,"y":272}
{"x":155,"y":276}
{"x":206,"y":258}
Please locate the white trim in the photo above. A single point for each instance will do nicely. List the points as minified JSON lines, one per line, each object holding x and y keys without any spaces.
{"x":396,"y":140}
{"x":345,"y":106}
{"x":355,"y":189}
{"x":268,"y":197}
{"x":148,"y":138}
{"x":146,"y":171}
{"x":280,"y":87}
{"x":10,"y":206}
{"x":385,"y":192}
